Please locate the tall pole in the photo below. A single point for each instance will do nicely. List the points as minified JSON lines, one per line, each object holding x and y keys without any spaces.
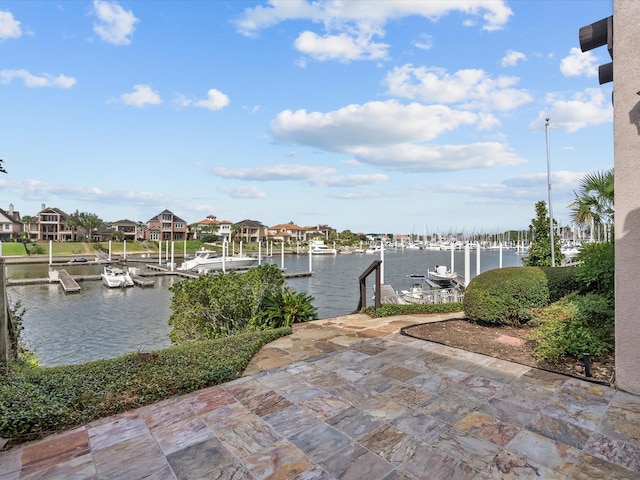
{"x":551,"y":237}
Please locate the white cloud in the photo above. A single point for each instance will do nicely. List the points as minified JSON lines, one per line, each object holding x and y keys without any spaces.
{"x":9,"y":26}
{"x":470,"y":88}
{"x":33,"y":81}
{"x":423,"y":42}
{"x":351,"y":26}
{"x":340,"y":47}
{"x":439,"y":158}
{"x":373,"y":123}
{"x":334,"y":13}
{"x":578,"y":64}
{"x":216,"y":100}
{"x":349,"y":180}
{"x":142,"y":95}
{"x":512,"y":57}
{"x":393,"y":136}
{"x":115,"y":25}
{"x":584,"y":109}
{"x":274,"y":172}
{"x":243,"y":191}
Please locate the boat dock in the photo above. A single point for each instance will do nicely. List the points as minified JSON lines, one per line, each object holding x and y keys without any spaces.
{"x":141,"y":281}
{"x":68,"y":283}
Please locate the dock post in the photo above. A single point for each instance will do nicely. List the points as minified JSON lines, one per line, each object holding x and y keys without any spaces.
{"x":467,"y":267}
{"x":5,"y":345}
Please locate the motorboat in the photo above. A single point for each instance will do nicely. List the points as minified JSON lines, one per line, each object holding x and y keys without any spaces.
{"x":441,"y":273}
{"x":319,"y":248}
{"x":209,"y":260}
{"x":113,"y":277}
{"x":423,"y":290}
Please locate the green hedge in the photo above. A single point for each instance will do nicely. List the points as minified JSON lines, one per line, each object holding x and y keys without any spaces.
{"x":561,"y":281}
{"x":42,"y":400}
{"x":505,"y":296}
{"x":391,"y":309}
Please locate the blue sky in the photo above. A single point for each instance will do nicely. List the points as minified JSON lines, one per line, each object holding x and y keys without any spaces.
{"x":374,"y":116}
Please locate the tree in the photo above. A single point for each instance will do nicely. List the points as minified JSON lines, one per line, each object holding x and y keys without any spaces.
{"x":117,"y":236}
{"x":593,"y":202}
{"x":540,"y":249}
{"x":87,"y":221}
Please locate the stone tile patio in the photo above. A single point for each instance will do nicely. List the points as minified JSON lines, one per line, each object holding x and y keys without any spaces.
{"x":350,"y":398}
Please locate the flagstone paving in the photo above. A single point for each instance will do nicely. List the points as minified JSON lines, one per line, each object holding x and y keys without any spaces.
{"x":351,"y":398}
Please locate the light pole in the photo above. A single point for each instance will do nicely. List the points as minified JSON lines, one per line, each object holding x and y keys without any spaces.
{"x":553,"y":257}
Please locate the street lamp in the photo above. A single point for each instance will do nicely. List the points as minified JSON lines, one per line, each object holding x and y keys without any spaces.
{"x":553,"y":257}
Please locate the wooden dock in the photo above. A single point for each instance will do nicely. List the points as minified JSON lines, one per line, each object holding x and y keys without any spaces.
{"x":68,"y":283}
{"x":142,"y":281}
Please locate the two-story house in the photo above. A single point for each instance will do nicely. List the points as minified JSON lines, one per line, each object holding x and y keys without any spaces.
{"x":211,"y":226}
{"x":318,"y":232}
{"x":52,"y":226}
{"x":288,"y":232}
{"x":250,"y":231}
{"x":10,"y":225}
{"x":165,"y":226}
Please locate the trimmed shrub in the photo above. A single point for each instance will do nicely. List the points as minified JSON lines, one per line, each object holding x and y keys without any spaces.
{"x":506,"y":296}
{"x":391,"y":309}
{"x":573,"y":326}
{"x":42,"y":400}
{"x":561,"y":281}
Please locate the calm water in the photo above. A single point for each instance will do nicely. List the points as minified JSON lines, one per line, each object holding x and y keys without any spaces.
{"x":99,"y":322}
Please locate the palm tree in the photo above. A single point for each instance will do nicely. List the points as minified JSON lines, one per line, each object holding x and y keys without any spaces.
{"x":594,"y":203}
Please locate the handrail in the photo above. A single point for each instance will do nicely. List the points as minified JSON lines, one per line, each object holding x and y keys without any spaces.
{"x":375,"y":265}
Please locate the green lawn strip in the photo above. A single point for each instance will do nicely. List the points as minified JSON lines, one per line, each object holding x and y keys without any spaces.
{"x":39,"y":401}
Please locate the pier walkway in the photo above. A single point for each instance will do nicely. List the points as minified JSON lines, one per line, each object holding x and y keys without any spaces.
{"x":68,"y":283}
{"x":351,"y":398}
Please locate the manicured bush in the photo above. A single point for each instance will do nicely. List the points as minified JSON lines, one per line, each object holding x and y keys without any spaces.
{"x":575,"y":325}
{"x":506,"y":296}
{"x":390,"y":309}
{"x":42,"y":400}
{"x":561,"y":281}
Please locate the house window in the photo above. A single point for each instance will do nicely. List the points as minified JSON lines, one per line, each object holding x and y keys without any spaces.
{"x":179,"y":225}
{"x":166,"y":217}
{"x":153,"y":236}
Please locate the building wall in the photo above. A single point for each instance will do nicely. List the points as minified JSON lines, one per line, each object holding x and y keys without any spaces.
{"x":626,"y":85}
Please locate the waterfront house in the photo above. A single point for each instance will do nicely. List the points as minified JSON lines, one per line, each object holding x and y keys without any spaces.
{"x":250,"y":231}
{"x":211,"y":226}
{"x":52,"y":226}
{"x":165,"y":226}
{"x":288,"y":232}
{"x":318,"y":232}
{"x":10,"y":225}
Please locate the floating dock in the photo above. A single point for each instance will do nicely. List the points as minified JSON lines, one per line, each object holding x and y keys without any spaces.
{"x":68,"y":283}
{"x":141,"y":281}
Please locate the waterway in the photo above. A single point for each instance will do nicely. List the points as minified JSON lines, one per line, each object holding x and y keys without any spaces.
{"x":99,"y":322}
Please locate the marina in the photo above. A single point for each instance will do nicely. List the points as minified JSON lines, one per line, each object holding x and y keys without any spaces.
{"x":99,"y":322}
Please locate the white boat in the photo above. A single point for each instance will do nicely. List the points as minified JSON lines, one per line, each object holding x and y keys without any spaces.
{"x":209,"y":260}
{"x":441,"y":273}
{"x":422,"y":290}
{"x":319,"y":248}
{"x":114,"y":277}
{"x":373,"y":249}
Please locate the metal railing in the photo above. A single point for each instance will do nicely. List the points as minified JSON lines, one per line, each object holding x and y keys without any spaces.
{"x":375,"y":266}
